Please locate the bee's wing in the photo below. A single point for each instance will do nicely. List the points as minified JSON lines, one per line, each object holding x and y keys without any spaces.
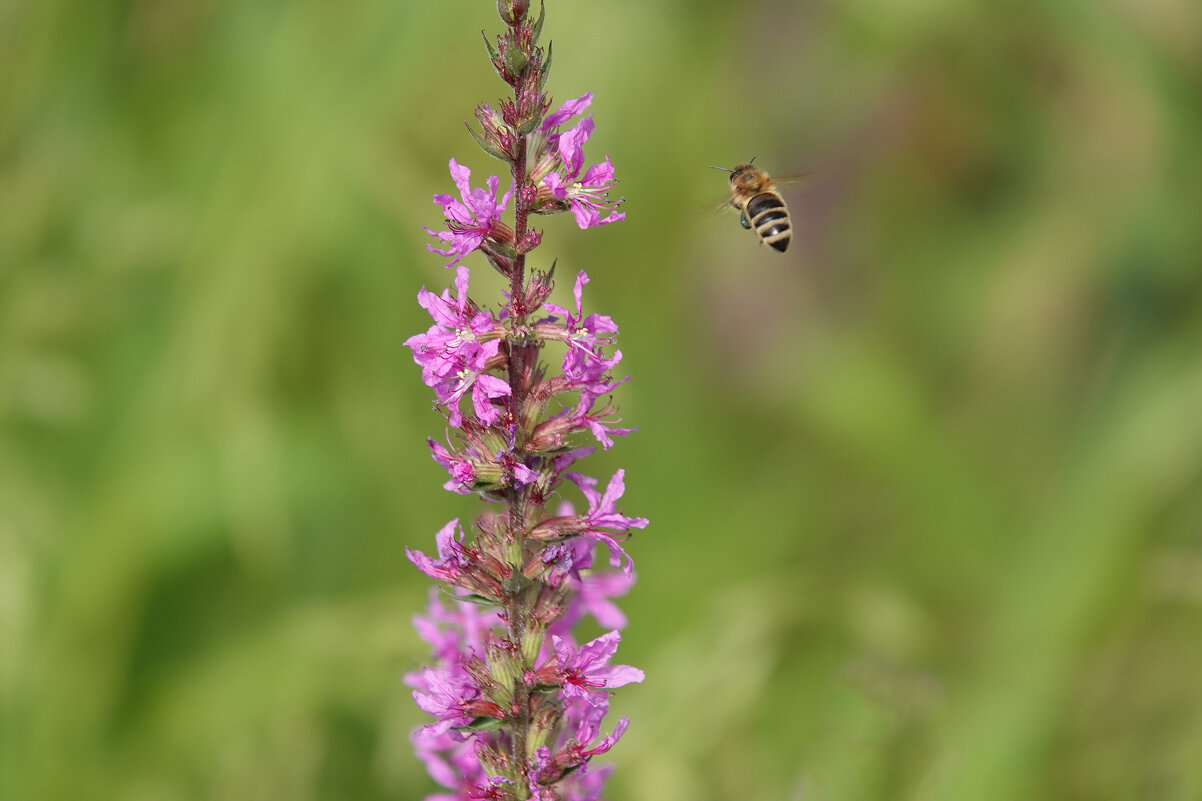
{"x":722,"y":206}
{"x":787,"y":181}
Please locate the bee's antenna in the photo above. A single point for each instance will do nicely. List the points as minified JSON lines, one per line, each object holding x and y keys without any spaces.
{"x":752,"y":160}
{"x":724,"y":169}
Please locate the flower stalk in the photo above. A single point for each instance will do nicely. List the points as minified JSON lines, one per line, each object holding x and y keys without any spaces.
{"x":518,"y":705}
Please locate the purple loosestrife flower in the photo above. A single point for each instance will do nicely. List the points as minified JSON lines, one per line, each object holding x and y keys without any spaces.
{"x":602,"y":515}
{"x":472,"y":221}
{"x":588,"y":195}
{"x":481,"y":464}
{"x":586,"y":333}
{"x":516,"y":707}
{"x":585,"y":370}
{"x":585,"y":672}
{"x":457,"y":350}
{"x":590,"y":590}
{"x":557,"y":174}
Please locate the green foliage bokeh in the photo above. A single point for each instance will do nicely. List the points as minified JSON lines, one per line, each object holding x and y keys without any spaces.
{"x":925,"y":492}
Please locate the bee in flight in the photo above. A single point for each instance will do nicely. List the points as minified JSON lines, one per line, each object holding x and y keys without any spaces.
{"x":761,"y":208}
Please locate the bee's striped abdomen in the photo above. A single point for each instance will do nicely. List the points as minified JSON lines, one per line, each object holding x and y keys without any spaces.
{"x":770,"y":219}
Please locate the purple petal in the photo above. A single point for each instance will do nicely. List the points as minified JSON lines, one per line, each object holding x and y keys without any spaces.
{"x":582,"y":280}
{"x":586,"y":216}
{"x":558,"y":188}
{"x":615,"y":490}
{"x":599,"y":651}
{"x":462,"y":177}
{"x":571,"y":144}
{"x":619,"y":675}
{"x":569,"y":109}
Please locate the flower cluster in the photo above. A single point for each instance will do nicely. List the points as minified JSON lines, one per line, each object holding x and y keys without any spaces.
{"x":517,"y":703}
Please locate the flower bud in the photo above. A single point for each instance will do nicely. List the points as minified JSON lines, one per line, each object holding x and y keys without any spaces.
{"x":539,"y":288}
{"x":487,"y":476}
{"x":515,"y":60}
{"x":551,"y":435}
{"x":530,"y":241}
{"x":502,"y":235}
{"x":512,"y":11}
{"x":533,"y":642}
{"x":504,"y":672}
{"x":488,"y":716}
{"x":557,"y":529}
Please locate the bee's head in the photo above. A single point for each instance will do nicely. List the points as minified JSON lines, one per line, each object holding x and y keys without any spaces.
{"x":740,"y":173}
{"x":745,"y":175}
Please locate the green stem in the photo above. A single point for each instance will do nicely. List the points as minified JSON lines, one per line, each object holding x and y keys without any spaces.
{"x":516,"y":603}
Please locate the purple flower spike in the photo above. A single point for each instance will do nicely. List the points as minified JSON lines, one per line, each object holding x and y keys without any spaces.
{"x":516,"y":707}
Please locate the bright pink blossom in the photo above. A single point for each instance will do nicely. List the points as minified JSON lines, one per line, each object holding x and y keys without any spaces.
{"x":585,"y":672}
{"x":474,"y":219}
{"x":559,"y":168}
{"x":457,"y":351}
{"x":588,"y":194}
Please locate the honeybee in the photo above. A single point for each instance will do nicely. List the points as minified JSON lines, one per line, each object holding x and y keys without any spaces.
{"x":761,"y":208}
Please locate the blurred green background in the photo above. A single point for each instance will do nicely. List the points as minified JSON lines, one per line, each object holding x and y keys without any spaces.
{"x":926,"y":491}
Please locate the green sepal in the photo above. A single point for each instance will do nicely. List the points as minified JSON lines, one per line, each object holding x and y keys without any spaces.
{"x":552,"y":207}
{"x":493,"y":55}
{"x":545,"y":71}
{"x":516,"y":584}
{"x":487,"y":147}
{"x":528,"y":126}
{"x":472,"y":598}
{"x":482,"y":723}
{"x":515,"y":60}
{"x":537,"y":30}
{"x":494,"y":58}
{"x":501,"y":268}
